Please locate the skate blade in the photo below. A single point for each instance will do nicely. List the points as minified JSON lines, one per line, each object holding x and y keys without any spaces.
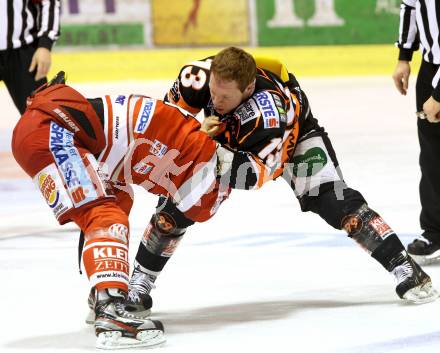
{"x":115,"y":340}
{"x":434,"y":258}
{"x":422,"y":294}
{"x":90,"y":319}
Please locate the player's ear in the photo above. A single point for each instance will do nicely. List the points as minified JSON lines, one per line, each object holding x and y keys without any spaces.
{"x":250,"y":88}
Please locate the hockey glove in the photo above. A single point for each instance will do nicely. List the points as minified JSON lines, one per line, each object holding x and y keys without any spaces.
{"x":224,"y":159}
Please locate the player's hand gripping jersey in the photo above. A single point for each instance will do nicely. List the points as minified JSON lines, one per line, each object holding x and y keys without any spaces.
{"x":117,"y":140}
{"x":262,"y":131}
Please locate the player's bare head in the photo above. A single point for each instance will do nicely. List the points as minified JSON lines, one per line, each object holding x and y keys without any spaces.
{"x":232,"y":79}
{"x":234,"y":64}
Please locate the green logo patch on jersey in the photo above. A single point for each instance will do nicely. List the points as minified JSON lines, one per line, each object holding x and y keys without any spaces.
{"x":309,"y":163}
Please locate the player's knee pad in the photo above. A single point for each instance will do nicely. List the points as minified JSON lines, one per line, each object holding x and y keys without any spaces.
{"x":105,"y":252}
{"x":332,"y":201}
{"x":162,"y":236}
{"x":367,"y":228}
{"x":159,"y":241}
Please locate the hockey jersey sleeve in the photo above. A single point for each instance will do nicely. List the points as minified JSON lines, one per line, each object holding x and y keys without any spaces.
{"x":408,"y":41}
{"x":190,"y":90}
{"x":259,"y":140}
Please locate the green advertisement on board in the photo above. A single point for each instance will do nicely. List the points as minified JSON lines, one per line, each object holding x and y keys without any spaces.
{"x":317,"y":22}
{"x":102,"y":34}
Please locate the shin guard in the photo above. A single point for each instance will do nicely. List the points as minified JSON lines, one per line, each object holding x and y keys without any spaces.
{"x":105,"y":252}
{"x":159,"y":242}
{"x":367,"y":228}
{"x":374,"y":235}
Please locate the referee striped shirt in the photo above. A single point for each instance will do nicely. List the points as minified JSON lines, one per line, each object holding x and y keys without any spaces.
{"x":26,"y":21}
{"x":419,"y":26}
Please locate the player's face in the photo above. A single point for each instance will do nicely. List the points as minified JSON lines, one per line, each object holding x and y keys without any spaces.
{"x":225,"y":95}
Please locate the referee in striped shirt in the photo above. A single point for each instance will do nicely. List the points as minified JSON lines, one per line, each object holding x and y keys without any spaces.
{"x":420,"y":26}
{"x":28,"y":30}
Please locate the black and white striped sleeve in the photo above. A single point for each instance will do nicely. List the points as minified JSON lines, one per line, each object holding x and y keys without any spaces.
{"x":48,"y":23}
{"x":408,"y":32}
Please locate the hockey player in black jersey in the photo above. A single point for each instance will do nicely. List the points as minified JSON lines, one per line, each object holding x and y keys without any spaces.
{"x":261,"y":117}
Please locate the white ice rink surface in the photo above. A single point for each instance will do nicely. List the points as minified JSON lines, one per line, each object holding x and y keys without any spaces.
{"x":260,"y":276}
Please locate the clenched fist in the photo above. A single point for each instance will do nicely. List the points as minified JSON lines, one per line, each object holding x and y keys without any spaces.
{"x":212,"y":126}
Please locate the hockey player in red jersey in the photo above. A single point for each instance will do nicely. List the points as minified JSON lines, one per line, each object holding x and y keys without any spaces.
{"x":83,"y":154}
{"x":258,"y":110}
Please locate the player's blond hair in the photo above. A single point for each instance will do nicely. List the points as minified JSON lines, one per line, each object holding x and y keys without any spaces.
{"x":234,"y":64}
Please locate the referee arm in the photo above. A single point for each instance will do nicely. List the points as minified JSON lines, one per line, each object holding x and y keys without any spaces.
{"x":408,"y":43}
{"x":48,"y":33}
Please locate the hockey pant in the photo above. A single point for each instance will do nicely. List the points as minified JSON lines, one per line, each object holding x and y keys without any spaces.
{"x":66,"y":174}
{"x":314,"y":175}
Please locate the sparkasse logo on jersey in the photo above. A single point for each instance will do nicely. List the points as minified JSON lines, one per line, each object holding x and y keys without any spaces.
{"x":144,"y":119}
{"x":71,"y":166}
{"x":267,"y":107}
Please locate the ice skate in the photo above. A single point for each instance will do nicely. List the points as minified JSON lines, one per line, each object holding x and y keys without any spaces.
{"x":424,"y":252}
{"x":91,"y":301}
{"x":139,"y":301}
{"x":413,"y":284}
{"x":116,"y":328}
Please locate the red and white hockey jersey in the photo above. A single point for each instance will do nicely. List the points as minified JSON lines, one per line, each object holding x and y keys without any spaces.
{"x":127,"y":139}
{"x":159,"y":146}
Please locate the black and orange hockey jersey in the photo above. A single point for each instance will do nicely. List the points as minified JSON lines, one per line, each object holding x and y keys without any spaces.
{"x":262,"y":131}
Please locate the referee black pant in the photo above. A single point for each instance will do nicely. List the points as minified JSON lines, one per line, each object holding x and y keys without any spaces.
{"x":14,"y":71}
{"x":429,"y":139}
